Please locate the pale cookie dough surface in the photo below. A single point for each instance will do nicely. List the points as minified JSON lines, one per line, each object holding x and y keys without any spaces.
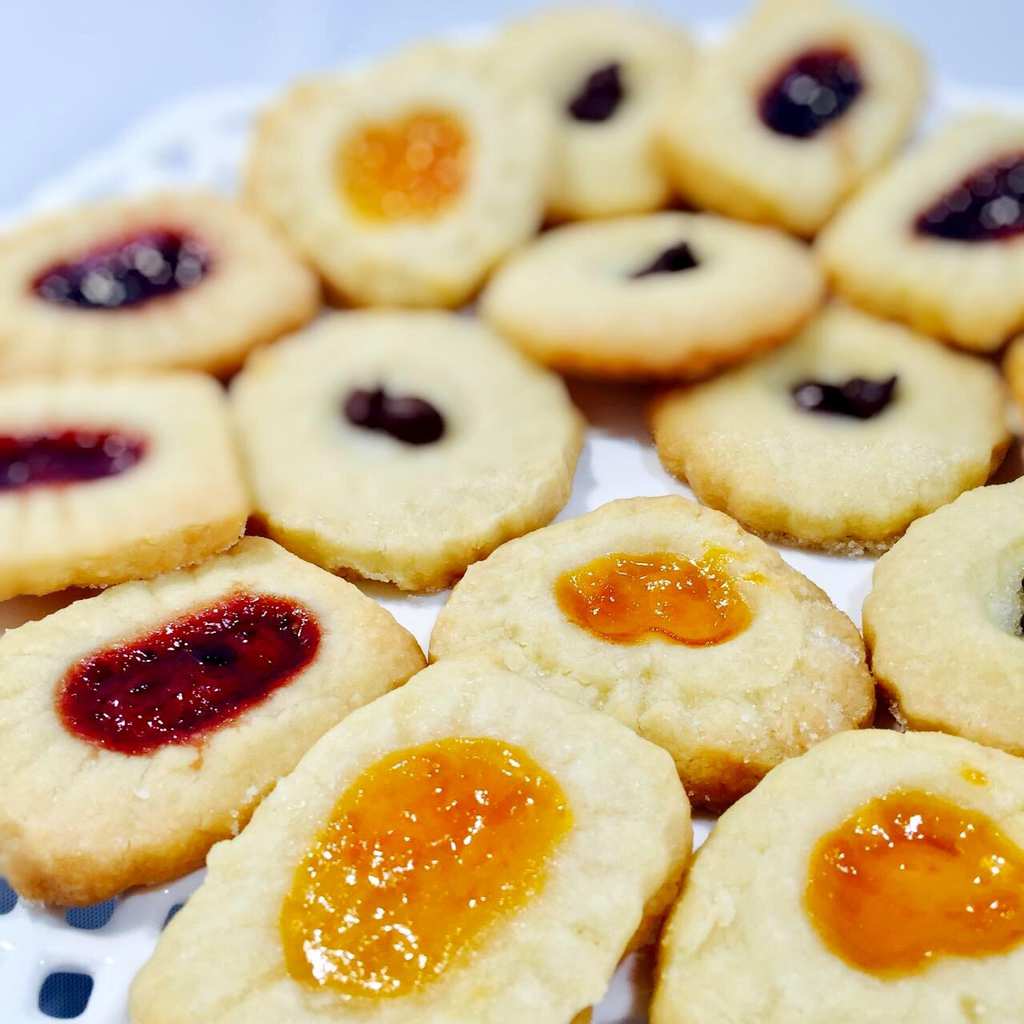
{"x":359,"y":501}
{"x":604,"y":165}
{"x":969,"y":293}
{"x":254,"y":290}
{"x":185,"y":499}
{"x":80,"y":823}
{"x":571,"y":299}
{"x":828,"y":480}
{"x":292,"y":177}
{"x":723,"y":156}
{"x":726,"y":713}
{"x":739,"y":946}
{"x":221,"y":957}
{"x":943,"y":619}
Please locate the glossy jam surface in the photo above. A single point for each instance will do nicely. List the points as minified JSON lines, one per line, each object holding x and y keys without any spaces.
{"x":672,"y":260}
{"x":811,"y":92}
{"x":424,"y":852}
{"x":599,"y":95}
{"x":911,"y":877}
{"x":412,"y":168}
{"x":987,"y":206}
{"x":857,"y":398}
{"x":127,"y":272}
{"x":632,"y":598}
{"x":406,"y":418}
{"x":195,"y":673}
{"x":66,"y":455}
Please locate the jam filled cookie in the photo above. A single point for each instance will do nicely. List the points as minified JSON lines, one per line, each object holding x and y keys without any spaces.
{"x":172,"y":280}
{"x":143,"y":725}
{"x":442,"y":855}
{"x":938,"y":239}
{"x":606,"y":74}
{"x":669,"y":617}
{"x":403,"y":446}
{"x":406,"y":184}
{"x":878,"y":878}
{"x":792,"y":113}
{"x":664,"y":295}
{"x":103,"y":481}
{"x":840,"y":439}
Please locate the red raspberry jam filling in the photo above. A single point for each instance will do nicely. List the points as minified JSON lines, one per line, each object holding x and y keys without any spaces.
{"x":406,"y":418}
{"x":672,"y":260}
{"x":126,"y":272}
{"x":66,"y":456}
{"x":810,"y":92}
{"x":858,"y":398}
{"x":599,"y":95}
{"x":190,"y":676}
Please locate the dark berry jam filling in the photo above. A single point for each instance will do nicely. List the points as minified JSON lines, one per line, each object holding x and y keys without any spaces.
{"x":598,"y":96}
{"x":811,"y":92}
{"x":986,"y":206}
{"x":127,"y":272}
{"x":188,"y":677}
{"x":858,"y":398}
{"x":404,"y":417}
{"x":671,"y":261}
{"x":66,"y":456}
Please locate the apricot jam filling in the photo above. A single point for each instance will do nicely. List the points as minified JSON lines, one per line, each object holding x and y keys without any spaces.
{"x":631,"y":598}
{"x":911,"y":877}
{"x":412,"y":168}
{"x":66,"y":455}
{"x":426,"y":850}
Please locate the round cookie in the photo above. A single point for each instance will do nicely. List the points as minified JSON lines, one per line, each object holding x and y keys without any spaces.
{"x":171,"y":280}
{"x":858,"y":883}
{"x":937,"y":240}
{"x":764,"y":666}
{"x":792,"y":112}
{"x":606,"y":74}
{"x":943,"y":619}
{"x":664,"y":295}
{"x":405,"y":184}
{"x":840,"y":439}
{"x":610,"y":835}
{"x":403,"y":446}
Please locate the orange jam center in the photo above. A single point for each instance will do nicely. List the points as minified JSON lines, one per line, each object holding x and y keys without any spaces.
{"x":911,"y":877}
{"x":424,"y":851}
{"x":628,"y":598}
{"x":409,"y":168}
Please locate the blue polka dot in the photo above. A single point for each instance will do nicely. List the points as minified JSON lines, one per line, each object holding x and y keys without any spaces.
{"x":91,"y":918}
{"x":8,"y":897}
{"x":65,"y":994}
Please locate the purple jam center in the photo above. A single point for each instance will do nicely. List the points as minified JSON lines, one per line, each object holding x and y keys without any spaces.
{"x":988,"y":205}
{"x":598,"y":96}
{"x":127,"y":272}
{"x":858,"y":398}
{"x":672,"y":260}
{"x":811,"y":92}
{"x":67,"y":456}
{"x":406,"y":418}
{"x":188,"y":677}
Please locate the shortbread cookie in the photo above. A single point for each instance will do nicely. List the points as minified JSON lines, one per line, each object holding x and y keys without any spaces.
{"x":669,"y":617}
{"x":103,"y":481}
{"x":443,"y":855}
{"x":403,"y":446}
{"x":944,"y":619}
{"x":142,"y":726}
{"x":878,"y":878}
{"x":606,"y":74}
{"x":792,"y":113}
{"x":938,"y":239}
{"x":171,"y":280}
{"x":404,"y":185}
{"x":1013,"y":367}
{"x":665,"y":295}
{"x":840,"y":439}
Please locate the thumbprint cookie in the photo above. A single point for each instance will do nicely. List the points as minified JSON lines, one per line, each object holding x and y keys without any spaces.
{"x":669,"y":617}
{"x":171,"y":280}
{"x":405,"y":184}
{"x":106,"y":480}
{"x":665,"y":295}
{"x":141,"y":726}
{"x":606,"y":74}
{"x":467,"y":848}
{"x":878,"y":878}
{"x":938,"y":239}
{"x":401,"y":446}
{"x":840,"y":439}
{"x":792,"y":112}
